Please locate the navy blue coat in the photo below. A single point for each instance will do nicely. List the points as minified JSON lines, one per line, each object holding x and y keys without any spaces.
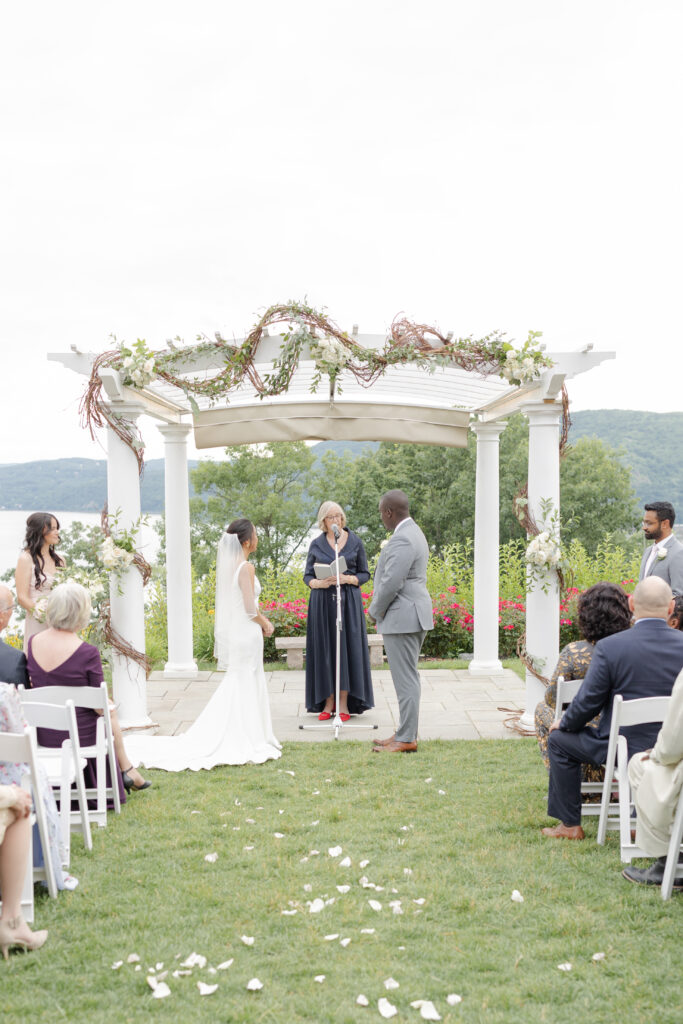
{"x":13,"y":665}
{"x":643,"y":661}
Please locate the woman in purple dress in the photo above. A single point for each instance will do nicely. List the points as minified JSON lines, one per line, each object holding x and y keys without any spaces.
{"x":355,"y":686}
{"x":58,"y":657}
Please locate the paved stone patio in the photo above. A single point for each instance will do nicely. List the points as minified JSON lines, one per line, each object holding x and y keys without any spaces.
{"x":455,"y":705}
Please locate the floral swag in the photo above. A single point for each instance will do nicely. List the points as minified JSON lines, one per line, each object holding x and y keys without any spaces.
{"x":308,"y":333}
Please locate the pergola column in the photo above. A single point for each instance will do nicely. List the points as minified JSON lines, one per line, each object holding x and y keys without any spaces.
{"x":542,"y":608}
{"x":486,"y":543}
{"x":129,"y":680}
{"x":178,"y":562}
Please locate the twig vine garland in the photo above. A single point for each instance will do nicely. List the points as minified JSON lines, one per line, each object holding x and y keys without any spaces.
{"x":307,"y":332}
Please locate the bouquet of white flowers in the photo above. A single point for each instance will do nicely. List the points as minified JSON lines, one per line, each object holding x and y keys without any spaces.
{"x":137,"y":364}
{"x":330,"y":355}
{"x":114,"y":558}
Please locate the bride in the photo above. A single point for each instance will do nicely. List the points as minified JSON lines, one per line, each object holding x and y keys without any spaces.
{"x":235,"y":726}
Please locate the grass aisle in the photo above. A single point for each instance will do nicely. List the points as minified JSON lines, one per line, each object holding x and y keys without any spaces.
{"x":147,"y":889}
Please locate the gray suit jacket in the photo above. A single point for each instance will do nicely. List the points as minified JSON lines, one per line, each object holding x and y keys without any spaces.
{"x":401,"y":601}
{"x":669,"y":568}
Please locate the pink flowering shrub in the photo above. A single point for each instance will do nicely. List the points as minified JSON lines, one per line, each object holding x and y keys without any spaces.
{"x":289,"y":619}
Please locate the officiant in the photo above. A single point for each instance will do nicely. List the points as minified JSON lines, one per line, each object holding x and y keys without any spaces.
{"x":355,"y":685}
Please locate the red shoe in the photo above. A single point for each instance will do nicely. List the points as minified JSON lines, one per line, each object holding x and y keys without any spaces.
{"x":344,"y":716}
{"x":324,"y":716}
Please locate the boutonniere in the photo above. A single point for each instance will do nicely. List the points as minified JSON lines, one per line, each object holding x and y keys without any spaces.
{"x":661,"y":554}
{"x":384,"y":543}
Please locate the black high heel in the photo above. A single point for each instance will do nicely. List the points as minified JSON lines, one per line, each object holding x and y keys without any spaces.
{"x":128,"y":783}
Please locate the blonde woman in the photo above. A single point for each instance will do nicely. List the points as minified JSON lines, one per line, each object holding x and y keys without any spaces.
{"x":355,"y":694}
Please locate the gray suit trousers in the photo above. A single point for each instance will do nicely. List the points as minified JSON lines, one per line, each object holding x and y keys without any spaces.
{"x":403,"y":652}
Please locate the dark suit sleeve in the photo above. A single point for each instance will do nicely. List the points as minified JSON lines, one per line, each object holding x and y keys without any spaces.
{"x":362,"y":573}
{"x":21,"y":674}
{"x":593,"y":694}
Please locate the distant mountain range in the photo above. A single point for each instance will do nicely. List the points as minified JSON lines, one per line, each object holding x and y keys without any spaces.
{"x":650,"y":444}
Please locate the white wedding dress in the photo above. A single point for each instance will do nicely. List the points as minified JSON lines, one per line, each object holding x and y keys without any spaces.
{"x":235,"y":726}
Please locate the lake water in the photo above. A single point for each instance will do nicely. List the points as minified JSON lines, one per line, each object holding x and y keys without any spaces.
{"x":13,"y":530}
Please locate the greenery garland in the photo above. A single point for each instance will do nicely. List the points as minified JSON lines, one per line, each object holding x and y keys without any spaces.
{"x":306,"y":330}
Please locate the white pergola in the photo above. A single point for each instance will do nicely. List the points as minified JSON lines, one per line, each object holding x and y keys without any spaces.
{"x":406,"y":404}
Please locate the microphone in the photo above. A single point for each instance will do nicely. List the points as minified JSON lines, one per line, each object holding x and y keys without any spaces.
{"x":335,"y":531}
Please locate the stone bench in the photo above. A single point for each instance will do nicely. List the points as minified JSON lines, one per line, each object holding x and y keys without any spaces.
{"x":296,"y":645}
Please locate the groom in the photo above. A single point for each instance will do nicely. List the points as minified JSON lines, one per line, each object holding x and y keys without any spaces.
{"x":402,"y":608}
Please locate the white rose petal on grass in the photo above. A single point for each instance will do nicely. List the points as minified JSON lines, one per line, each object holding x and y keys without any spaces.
{"x":386,"y":1008}
{"x":132,"y":958}
{"x":407,"y":871}
{"x":115,"y":967}
{"x":279,"y":835}
{"x":453,"y":999}
{"x":598,"y":956}
{"x":161,"y":991}
{"x":248,"y":940}
{"x":250,"y":821}
{"x":316,"y":792}
{"x":316,"y":822}
{"x":289,"y":773}
{"x":345,"y":863}
{"x":564,"y":967}
{"x":367,"y":931}
{"x":345,"y":942}
{"x":288,"y":913}
{"x":396,"y":907}
{"x":375,"y":904}
{"x":319,"y":978}
{"x":429,"y":779}
{"x":517,"y":896}
{"x":391,"y":983}
{"x":314,"y":853}
{"x":206,"y":990}
{"x":420,"y":900}
{"x":254,"y":985}
{"x":226,"y":963}
{"x":181,"y":974}
{"x":427,"y":1009}
{"x":248,"y":847}
{"x":211,"y":858}
{"x":334,"y":851}
{"x":330,"y":938}
{"x":138,"y":967}
{"x":316,"y":906}
{"x":363,"y":1000}
{"x":364,"y":863}
{"x":194,"y":960}
{"x":442,"y":792}
{"x":343,"y":888}
{"x":308,"y":887}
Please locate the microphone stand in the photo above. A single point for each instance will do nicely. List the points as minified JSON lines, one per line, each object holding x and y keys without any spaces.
{"x":336,"y":723}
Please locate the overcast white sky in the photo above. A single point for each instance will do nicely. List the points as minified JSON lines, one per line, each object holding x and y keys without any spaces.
{"x":170,"y":168}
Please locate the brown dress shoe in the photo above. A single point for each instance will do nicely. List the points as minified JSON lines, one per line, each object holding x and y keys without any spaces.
{"x":395,"y":747}
{"x":564,"y":832}
{"x":384,"y":743}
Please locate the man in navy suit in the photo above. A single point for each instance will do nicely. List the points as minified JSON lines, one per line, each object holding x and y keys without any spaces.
{"x":12,"y":662}
{"x":639,"y":662}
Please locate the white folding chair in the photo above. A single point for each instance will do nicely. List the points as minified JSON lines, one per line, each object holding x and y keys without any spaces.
{"x":97,"y":699}
{"x":22,"y":748}
{"x":64,"y":767}
{"x":642,"y":711}
{"x":566,"y":691}
{"x":674,"y":851}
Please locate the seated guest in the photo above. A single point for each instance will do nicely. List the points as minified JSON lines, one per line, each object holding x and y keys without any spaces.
{"x":602,"y":610}
{"x":656,"y":778}
{"x":58,"y":657}
{"x":15,"y":839}
{"x":639,"y":662}
{"x":676,"y":618}
{"x":12,"y":661}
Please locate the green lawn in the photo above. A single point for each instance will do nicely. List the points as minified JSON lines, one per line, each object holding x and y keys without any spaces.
{"x":147,"y":889}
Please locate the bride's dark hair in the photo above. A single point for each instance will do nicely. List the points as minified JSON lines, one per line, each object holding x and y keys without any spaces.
{"x":244,"y":528}
{"x":35,"y":528}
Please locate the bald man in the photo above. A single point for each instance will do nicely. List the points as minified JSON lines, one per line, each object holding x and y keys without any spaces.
{"x":643,"y":661}
{"x":12,"y":662}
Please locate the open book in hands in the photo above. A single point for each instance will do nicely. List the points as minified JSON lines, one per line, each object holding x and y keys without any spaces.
{"x":322,"y":571}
